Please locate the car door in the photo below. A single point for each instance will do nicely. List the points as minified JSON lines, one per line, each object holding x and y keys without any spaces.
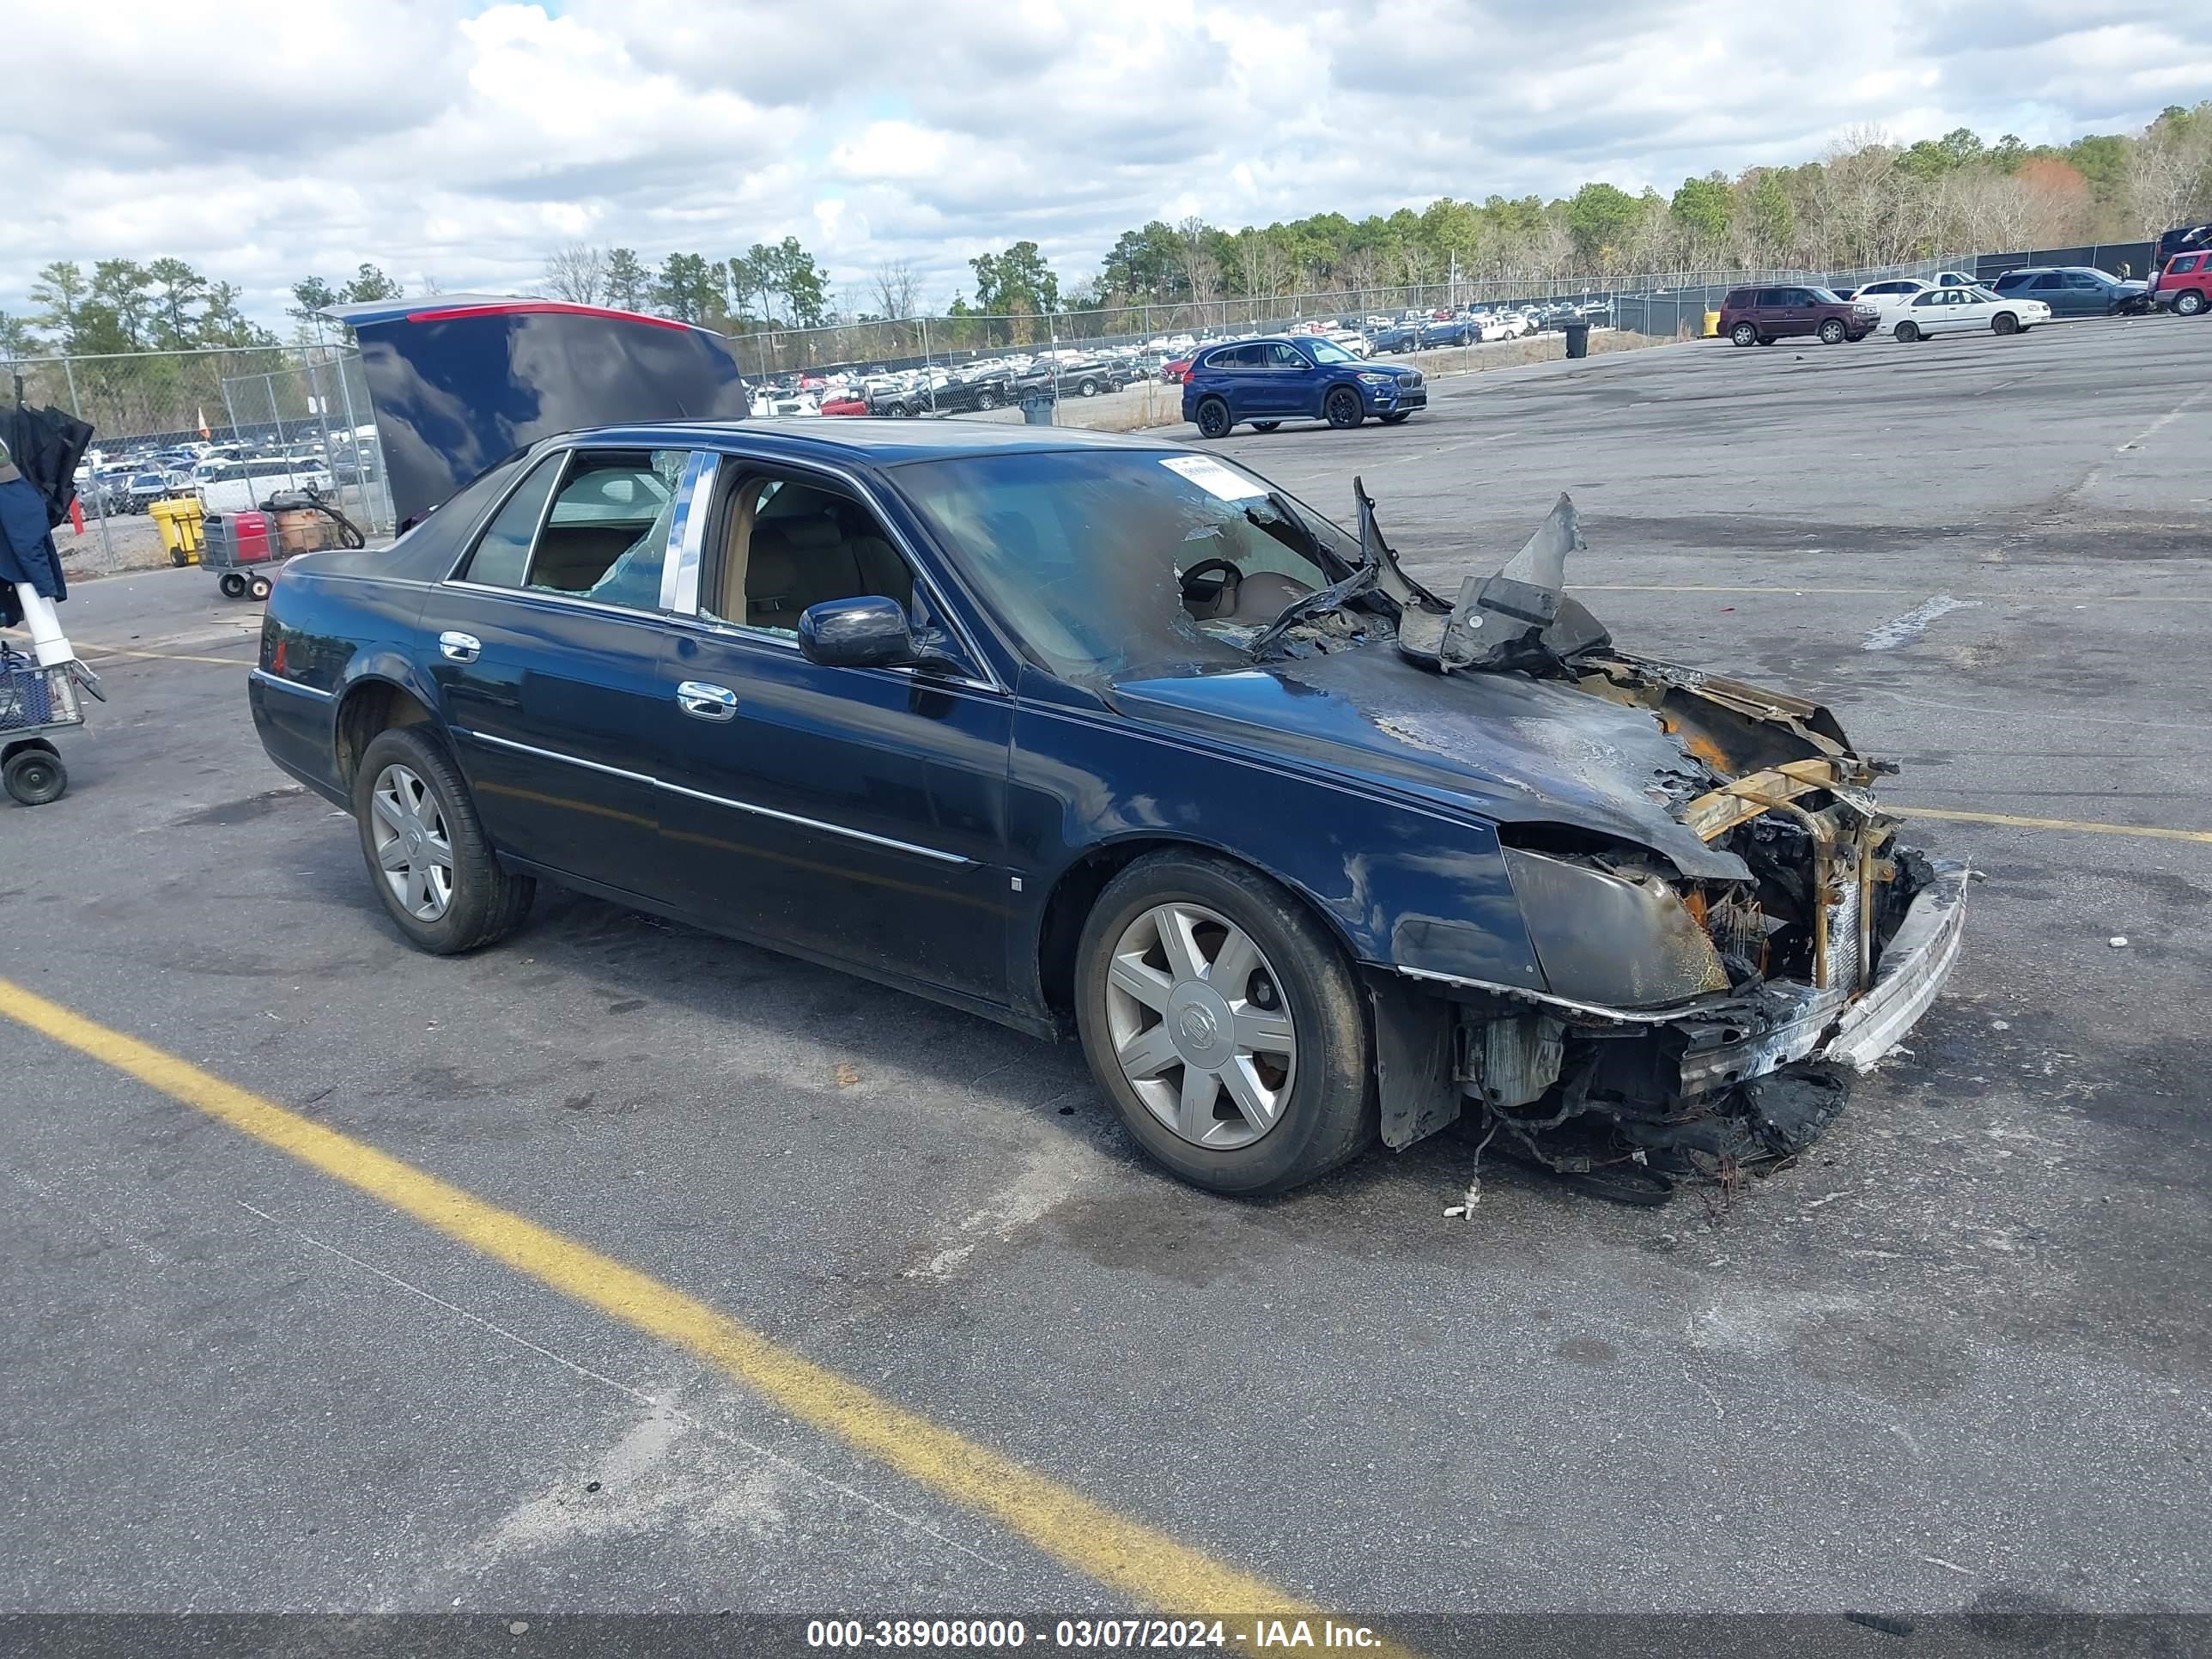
{"x":547,"y":648}
{"x":2090,"y":297}
{"x":2050,"y":288}
{"x":1284,"y":381}
{"x":1797,"y":316}
{"x":853,"y":815}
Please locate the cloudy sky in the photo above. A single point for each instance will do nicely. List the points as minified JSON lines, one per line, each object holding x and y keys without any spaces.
{"x":266,"y":139}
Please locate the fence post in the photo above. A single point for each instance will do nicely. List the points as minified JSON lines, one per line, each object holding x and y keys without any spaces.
{"x":99,"y":494}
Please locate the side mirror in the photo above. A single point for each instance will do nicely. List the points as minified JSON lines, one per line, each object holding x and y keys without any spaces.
{"x":870,"y":633}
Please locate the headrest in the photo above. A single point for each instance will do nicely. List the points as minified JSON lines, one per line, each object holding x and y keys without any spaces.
{"x":813,"y":530}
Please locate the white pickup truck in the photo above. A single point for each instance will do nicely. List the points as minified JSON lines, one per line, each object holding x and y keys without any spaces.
{"x":242,"y":486}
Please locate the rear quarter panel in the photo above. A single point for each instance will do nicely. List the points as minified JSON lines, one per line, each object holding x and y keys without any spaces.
{"x":323,"y":637}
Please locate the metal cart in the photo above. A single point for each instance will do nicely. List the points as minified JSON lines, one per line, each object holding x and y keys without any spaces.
{"x":241,"y":549}
{"x":33,"y":701}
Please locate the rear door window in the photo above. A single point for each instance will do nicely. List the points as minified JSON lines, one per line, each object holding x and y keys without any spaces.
{"x":1286,"y":356}
{"x":607,"y":536}
{"x":502,"y":553}
{"x":2186,"y":262}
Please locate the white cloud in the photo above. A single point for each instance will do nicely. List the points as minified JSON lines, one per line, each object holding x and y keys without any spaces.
{"x":263,"y":140}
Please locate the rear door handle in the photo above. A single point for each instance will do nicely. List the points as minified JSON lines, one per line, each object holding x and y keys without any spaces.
{"x":707,"y":703}
{"x":458,"y":647}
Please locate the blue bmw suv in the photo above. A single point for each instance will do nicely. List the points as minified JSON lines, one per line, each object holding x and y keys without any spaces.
{"x":1268,"y":382}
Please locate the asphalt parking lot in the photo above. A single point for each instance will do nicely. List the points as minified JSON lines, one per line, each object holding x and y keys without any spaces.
{"x":1956,"y":1359}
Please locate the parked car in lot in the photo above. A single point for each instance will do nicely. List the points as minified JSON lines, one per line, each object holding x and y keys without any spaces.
{"x":2184,"y":286}
{"x":2075,"y":290}
{"x":1892,"y":294}
{"x":1967,"y":310}
{"x":1268,"y":382}
{"x":1102,"y":736}
{"x":1760,"y":316}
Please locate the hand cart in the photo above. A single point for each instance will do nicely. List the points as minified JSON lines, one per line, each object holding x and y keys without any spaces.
{"x":240,"y":548}
{"x":33,"y":701}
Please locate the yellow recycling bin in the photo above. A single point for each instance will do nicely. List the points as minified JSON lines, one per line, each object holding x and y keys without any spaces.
{"x":178,"y":521}
{"x":1712,"y":326}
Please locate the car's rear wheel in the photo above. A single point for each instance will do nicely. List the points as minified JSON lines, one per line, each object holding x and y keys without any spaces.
{"x":428,"y":858}
{"x":2189,"y":303}
{"x":1744,"y":335}
{"x":1225,"y":1024}
{"x":1213,"y":420}
{"x":1396,"y":418}
{"x":2004,"y":323}
{"x":1908,"y":333}
{"x":1343,"y":409}
{"x":1832,"y":332}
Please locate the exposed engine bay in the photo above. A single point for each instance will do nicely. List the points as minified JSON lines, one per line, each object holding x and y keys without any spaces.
{"x":1729,"y":929}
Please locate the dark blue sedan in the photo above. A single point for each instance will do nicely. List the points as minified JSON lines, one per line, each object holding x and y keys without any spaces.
{"x":1095,"y":736}
{"x":1267,"y":382}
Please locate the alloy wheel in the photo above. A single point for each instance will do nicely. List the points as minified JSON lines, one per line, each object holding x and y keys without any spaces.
{"x":414,"y":849}
{"x":1199,"y":1026}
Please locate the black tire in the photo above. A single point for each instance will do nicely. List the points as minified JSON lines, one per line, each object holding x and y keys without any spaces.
{"x":1213,"y":420}
{"x":1766,"y":339}
{"x":487,"y":902}
{"x":35,"y":776}
{"x":232,"y":584}
{"x":1833,"y":331}
{"x":1265,"y":426}
{"x":257,"y":587}
{"x":1087,"y":387}
{"x":1744,"y":334}
{"x":1330,"y":1116}
{"x":1907,"y":333}
{"x":1343,"y":409}
{"x":2004,"y":323}
{"x":1398,"y":418}
{"x":2188,"y":303}
{"x":178,"y":557}
{"x":987,"y":400}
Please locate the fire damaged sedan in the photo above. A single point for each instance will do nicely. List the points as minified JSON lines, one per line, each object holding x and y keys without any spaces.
{"x":1100,"y":736}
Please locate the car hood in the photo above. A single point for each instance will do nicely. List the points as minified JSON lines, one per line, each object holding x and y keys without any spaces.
{"x":1511,"y":704}
{"x":460,"y":381}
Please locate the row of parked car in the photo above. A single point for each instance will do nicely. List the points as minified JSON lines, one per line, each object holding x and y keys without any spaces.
{"x":1910,"y":308}
{"x":223,"y":477}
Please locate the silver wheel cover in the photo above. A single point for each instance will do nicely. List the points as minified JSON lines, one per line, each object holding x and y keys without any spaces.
{"x":1200,"y":1027}
{"x":414,"y":849}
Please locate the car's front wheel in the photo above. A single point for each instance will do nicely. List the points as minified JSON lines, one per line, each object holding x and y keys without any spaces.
{"x":1832,"y":332}
{"x":1343,"y":408}
{"x":1908,"y":333}
{"x":1225,"y":1024}
{"x":428,"y":857}
{"x":2004,"y":323}
{"x":1213,"y":420}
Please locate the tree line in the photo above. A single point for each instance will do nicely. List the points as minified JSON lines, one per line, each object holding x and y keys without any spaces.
{"x":1868,"y":201}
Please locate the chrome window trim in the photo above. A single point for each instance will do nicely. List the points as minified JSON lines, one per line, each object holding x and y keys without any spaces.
{"x":687,"y":535}
{"x":554,"y":597}
{"x":283,"y":684}
{"x":739,"y":635}
{"x":652,"y":782}
{"x":869,"y":498}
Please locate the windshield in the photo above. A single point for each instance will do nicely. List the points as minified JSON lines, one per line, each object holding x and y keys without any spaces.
{"x":1109,"y":561}
{"x":1327,"y":351}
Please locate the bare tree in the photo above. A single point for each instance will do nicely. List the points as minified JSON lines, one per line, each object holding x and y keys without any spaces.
{"x":575,"y":273}
{"x":897,"y":291}
{"x":2169,"y":172}
{"x":1200,"y":268}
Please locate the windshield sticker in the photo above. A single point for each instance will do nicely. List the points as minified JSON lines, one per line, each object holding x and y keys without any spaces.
{"x":1214,"y":478}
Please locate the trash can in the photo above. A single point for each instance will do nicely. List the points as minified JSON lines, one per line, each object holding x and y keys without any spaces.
{"x":1577,"y":338}
{"x":179,"y":522}
{"x":1037,"y":411}
{"x":1712,"y":326}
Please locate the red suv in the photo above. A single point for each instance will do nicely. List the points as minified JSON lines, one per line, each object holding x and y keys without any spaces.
{"x":1760,"y":316}
{"x":2184,"y":287}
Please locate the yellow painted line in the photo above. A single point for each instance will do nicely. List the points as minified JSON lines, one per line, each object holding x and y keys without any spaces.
{"x":2086,"y":827}
{"x":1785,"y":587}
{"x":172,"y":656}
{"x":1127,"y":1556}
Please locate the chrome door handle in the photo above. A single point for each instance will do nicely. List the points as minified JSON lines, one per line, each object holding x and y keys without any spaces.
{"x":707,"y":702}
{"x":458,"y":647}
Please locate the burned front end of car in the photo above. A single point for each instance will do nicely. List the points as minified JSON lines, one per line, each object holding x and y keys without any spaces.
{"x":1713,"y":974}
